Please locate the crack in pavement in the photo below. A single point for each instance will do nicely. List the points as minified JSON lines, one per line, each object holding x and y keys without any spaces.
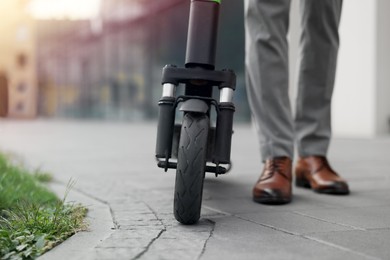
{"x":94,"y":198}
{"x":116,"y":225}
{"x":150,"y":244}
{"x":158,"y":235}
{"x":114,"y":221}
{"x":207,"y":240}
{"x":154,"y":213}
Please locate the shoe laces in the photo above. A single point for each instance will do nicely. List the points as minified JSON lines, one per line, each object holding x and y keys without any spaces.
{"x":276,"y":165}
{"x":323,"y":163}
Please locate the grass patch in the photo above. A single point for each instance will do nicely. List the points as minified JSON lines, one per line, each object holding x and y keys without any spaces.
{"x":32,"y":218}
{"x":17,"y":184}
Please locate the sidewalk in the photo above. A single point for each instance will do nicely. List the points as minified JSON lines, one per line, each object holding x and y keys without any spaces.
{"x":114,"y":164}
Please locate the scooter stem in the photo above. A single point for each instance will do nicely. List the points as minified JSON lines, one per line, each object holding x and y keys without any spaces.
{"x":202,"y":34}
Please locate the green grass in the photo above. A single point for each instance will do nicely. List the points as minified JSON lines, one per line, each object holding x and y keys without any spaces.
{"x":17,"y":184}
{"x":32,"y":218}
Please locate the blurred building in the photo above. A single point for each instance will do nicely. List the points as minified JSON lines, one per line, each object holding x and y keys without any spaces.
{"x":18,"y":82}
{"x":58,"y":67}
{"x":110,"y":67}
{"x":98,"y":68}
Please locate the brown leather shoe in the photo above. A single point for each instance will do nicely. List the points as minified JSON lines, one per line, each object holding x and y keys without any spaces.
{"x":274,"y":185}
{"x":315,"y":172}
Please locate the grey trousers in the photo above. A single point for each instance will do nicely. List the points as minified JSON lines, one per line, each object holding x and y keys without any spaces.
{"x":266,"y":27}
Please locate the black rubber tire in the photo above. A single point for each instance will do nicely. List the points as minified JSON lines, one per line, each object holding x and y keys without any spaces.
{"x":190,"y":171}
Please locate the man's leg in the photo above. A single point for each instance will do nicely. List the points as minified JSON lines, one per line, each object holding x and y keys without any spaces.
{"x":266,"y":27}
{"x":320,"y":44}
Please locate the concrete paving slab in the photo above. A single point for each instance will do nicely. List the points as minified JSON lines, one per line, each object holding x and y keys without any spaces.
{"x":371,"y":242}
{"x":357,"y":198}
{"x":375,"y":217}
{"x":371,"y":184}
{"x":113,"y":163}
{"x":301,"y":200}
{"x":292,"y":222}
{"x":241,"y":239}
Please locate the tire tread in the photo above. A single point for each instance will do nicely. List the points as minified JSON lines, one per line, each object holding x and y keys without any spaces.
{"x":191,"y":168}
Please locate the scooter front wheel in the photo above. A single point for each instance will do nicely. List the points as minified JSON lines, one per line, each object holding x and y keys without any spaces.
{"x":191,"y":162}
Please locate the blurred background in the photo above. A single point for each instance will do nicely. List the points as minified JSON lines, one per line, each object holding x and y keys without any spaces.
{"x":102,"y":59}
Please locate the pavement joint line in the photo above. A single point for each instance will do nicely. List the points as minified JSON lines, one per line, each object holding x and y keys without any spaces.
{"x":334,"y":207}
{"x":207,"y":240}
{"x":340,"y":247}
{"x":257,"y":223}
{"x":326,"y":221}
{"x":344,"y":231}
{"x":217,"y":210}
{"x":311,"y":238}
{"x":268,"y":226}
{"x":381,"y":228}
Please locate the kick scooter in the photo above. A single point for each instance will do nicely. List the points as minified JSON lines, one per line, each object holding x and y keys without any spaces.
{"x":195,"y":146}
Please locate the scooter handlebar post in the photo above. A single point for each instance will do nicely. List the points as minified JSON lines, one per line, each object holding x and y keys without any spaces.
{"x":202,"y":33}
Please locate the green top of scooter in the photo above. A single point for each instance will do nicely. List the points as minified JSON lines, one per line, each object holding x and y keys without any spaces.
{"x":217,"y":1}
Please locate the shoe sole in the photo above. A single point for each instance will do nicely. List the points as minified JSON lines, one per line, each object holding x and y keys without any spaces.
{"x":272,"y":201}
{"x":332,"y":191}
{"x":302,"y":183}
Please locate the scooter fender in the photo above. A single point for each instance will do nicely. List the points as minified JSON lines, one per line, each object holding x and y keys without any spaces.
{"x":194,"y":105}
